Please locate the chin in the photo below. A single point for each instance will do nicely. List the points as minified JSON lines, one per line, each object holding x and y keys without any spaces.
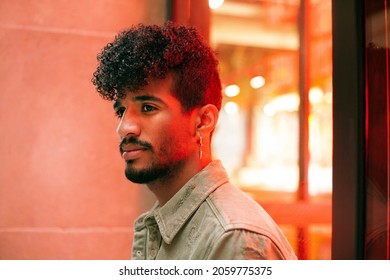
{"x":141,"y":175}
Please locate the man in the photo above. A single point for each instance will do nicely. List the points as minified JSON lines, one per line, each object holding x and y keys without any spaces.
{"x":166,"y":90}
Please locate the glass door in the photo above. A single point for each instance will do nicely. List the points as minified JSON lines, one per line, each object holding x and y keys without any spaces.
{"x":276,"y":66}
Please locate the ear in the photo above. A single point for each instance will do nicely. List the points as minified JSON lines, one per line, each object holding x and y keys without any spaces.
{"x":207,"y":118}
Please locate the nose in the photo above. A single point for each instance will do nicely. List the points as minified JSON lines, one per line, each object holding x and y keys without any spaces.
{"x":128,"y":125}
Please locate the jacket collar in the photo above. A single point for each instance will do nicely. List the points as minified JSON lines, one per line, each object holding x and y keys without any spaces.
{"x":174,"y":214}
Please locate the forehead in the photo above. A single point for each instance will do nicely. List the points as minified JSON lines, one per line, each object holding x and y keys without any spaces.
{"x":157,"y":90}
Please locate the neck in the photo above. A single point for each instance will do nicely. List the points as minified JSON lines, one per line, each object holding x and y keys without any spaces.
{"x":166,"y":187}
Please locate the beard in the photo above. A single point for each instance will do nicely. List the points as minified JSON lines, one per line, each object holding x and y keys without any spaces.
{"x":165,"y":163}
{"x":153,"y":172}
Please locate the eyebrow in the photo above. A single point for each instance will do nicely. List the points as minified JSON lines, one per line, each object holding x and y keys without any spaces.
{"x":139,"y":98}
{"x":147,"y":98}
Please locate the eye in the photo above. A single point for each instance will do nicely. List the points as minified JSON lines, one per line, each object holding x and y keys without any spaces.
{"x":147,"y":108}
{"x":119,"y":112}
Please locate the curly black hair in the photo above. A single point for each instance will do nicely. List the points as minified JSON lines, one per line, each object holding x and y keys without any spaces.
{"x":151,"y":52}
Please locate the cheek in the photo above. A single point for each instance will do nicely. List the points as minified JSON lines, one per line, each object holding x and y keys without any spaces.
{"x":177,"y":140}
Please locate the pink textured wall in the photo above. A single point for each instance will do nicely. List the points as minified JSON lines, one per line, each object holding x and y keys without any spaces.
{"x":63,"y":194}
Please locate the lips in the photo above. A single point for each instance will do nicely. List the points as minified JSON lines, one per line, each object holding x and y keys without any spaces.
{"x":131,"y":152}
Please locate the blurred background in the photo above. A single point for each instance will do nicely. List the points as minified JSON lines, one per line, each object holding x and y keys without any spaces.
{"x":63,"y":193}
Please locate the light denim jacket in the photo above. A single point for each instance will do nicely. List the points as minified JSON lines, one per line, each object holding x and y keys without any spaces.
{"x":209,"y":218}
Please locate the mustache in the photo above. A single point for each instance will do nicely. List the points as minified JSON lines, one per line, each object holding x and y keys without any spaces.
{"x":135,"y":141}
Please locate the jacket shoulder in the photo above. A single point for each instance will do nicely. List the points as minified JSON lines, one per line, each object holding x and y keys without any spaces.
{"x":236,"y":210}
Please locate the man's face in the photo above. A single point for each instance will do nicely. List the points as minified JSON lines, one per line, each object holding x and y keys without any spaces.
{"x":157,"y":138}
